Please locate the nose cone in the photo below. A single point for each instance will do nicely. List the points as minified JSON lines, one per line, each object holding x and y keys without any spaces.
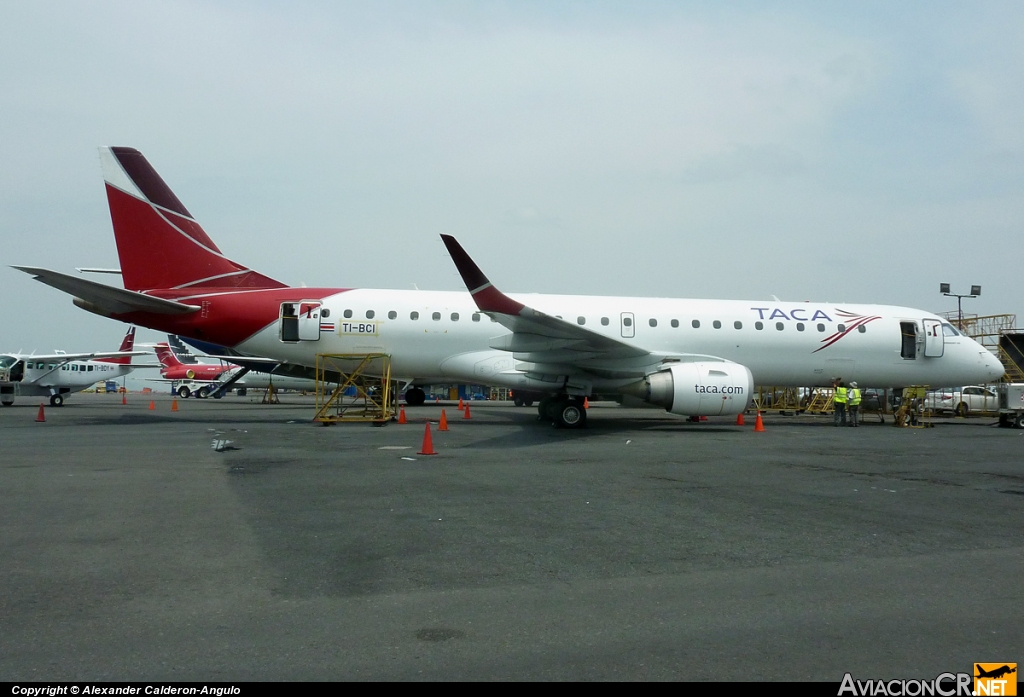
{"x":993,"y":367}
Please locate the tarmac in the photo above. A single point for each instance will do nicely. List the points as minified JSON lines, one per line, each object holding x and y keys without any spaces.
{"x":641,"y":548}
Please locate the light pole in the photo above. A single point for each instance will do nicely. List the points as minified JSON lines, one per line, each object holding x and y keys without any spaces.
{"x":975,"y":292}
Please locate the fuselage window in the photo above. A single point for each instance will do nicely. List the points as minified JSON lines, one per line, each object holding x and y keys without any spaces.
{"x":780,"y":326}
{"x":370,"y":314}
{"x":653,"y":322}
{"x":347,"y":313}
{"x":63,"y":367}
{"x":738,"y":324}
{"x":716,"y":324}
{"x":696,"y":324}
{"x":581,"y":320}
{"x":842,"y":328}
{"x":476,"y":316}
{"x":325,"y":313}
{"x":604,"y":321}
{"x":74,"y":368}
{"x":627,"y":322}
{"x":392,"y":314}
{"x":799,"y":326}
{"x":675,"y":324}
{"x":90,"y":369}
{"x":414,"y":315}
{"x":455,"y":317}
{"x":758,"y":326}
{"x":436,"y":316}
{"x":821,"y":327}
{"x":862,"y":329}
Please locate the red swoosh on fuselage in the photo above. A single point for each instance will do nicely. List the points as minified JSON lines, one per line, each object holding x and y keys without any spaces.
{"x":228,"y":316}
{"x":833,"y":338}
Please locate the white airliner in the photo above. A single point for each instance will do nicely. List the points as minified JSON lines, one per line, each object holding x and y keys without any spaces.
{"x":59,"y":374}
{"x":694,"y":357}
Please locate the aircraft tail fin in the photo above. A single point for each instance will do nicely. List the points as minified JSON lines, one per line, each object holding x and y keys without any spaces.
{"x":166,"y":356}
{"x":159,"y":243}
{"x":127,"y":344}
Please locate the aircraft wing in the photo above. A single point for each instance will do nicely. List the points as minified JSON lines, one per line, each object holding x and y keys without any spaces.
{"x":546,"y":343}
{"x":62,"y":358}
{"x":107,"y":299}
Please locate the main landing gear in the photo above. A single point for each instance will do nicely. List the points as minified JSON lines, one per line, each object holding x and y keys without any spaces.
{"x":56,"y":400}
{"x":564,"y":411}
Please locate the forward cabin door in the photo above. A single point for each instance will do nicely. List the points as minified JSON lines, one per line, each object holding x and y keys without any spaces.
{"x":309,"y":321}
{"x":933,"y":341}
{"x":628,"y":325}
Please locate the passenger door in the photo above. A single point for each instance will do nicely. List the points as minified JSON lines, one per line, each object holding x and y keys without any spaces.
{"x":933,"y":341}
{"x":309,"y":321}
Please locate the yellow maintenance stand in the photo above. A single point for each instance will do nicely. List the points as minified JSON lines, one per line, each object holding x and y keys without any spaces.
{"x":907,"y":415}
{"x":354,"y":387}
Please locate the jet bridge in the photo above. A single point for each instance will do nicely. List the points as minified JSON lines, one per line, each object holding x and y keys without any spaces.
{"x":354,"y":387}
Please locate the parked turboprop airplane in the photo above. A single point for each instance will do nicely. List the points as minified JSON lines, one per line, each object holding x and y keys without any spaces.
{"x":694,"y":357}
{"x":58,"y":374}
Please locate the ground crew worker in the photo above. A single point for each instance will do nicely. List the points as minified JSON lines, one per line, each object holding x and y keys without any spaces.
{"x":839,"y":401}
{"x":853,"y":403}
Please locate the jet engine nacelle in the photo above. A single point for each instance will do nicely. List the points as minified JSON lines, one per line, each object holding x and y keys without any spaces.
{"x":700,"y":389}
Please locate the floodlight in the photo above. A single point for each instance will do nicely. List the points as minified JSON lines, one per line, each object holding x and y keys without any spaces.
{"x":943,"y":287}
{"x":975,"y":290}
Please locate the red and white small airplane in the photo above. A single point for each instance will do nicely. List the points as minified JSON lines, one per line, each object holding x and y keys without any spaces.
{"x":59,"y":374}
{"x":217,"y":376}
{"x":173,"y":369}
{"x":694,"y":357}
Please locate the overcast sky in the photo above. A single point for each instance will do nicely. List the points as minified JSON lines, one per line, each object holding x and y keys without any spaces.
{"x":849,"y":152}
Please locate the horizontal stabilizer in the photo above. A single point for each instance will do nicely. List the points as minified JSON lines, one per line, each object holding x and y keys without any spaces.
{"x":104,"y":299}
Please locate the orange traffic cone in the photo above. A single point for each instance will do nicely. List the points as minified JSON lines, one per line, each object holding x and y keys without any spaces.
{"x":759,"y":424}
{"x":124,"y":398}
{"x":443,"y":426}
{"x":41,"y":416}
{"x":586,"y":403}
{"x":174,"y":405}
{"x":401,"y":414}
{"x":428,"y":443}
{"x":740,"y":421}
{"x":461,"y":405}
{"x":465,"y":414}
{"x":152,"y":405}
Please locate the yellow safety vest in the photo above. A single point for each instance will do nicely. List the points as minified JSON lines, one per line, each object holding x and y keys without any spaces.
{"x":854,"y":397}
{"x":840,"y":397}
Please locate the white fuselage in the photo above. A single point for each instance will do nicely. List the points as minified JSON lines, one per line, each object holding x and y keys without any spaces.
{"x":782,"y":344}
{"x":49,"y":377}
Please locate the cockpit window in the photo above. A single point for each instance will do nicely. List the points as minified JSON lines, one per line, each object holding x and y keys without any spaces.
{"x":949,"y":330}
{"x":7,"y":361}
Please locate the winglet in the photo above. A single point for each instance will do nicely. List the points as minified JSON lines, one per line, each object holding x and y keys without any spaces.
{"x":487,"y":297}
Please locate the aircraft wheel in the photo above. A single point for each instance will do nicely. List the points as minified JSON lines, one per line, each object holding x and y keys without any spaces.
{"x":203,"y":392}
{"x":415,"y":397}
{"x":961,"y":409}
{"x":183,"y":392}
{"x":56,"y":400}
{"x":543,"y":411}
{"x":570,"y":414}
{"x":528,"y":402}
{"x":241,"y":391}
{"x":1019,"y":423}
{"x":519,"y":402}
{"x":218,"y":394}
